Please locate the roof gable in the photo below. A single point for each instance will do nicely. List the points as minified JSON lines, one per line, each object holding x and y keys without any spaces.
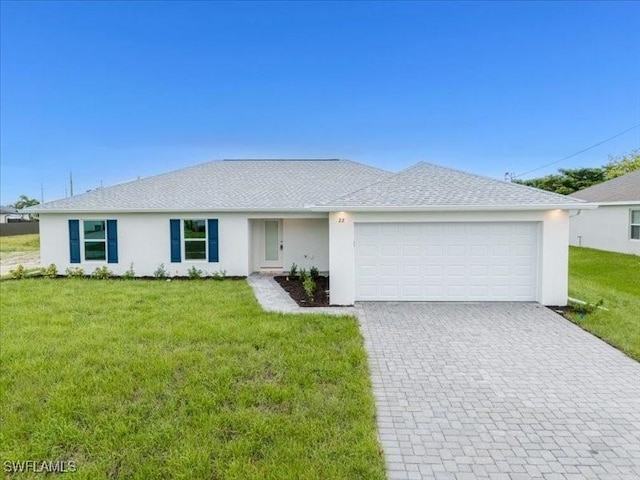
{"x":625,"y":188}
{"x":428,"y":185}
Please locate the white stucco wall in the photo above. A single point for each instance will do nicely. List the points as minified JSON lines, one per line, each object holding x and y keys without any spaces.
{"x":553,"y":244}
{"x":605,"y":228}
{"x":144,"y":240}
{"x":306,"y":242}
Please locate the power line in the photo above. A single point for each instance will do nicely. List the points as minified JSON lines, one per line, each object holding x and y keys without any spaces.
{"x":578,"y":152}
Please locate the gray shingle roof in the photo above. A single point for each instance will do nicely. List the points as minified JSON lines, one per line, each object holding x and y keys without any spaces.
{"x":301,"y":184}
{"x":621,"y":189}
{"x":427,"y":185}
{"x":229,"y":185}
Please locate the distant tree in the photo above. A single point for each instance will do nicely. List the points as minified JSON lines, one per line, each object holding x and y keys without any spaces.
{"x":24,"y":202}
{"x":622,"y":165}
{"x":568,"y":180}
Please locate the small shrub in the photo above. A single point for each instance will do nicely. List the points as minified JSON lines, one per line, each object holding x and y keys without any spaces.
{"x":309,"y":285}
{"x":129,"y":274}
{"x":50,"y":272}
{"x":74,"y":272}
{"x":18,"y":273}
{"x":101,"y":273}
{"x":314,"y":272}
{"x":293,"y":271}
{"x":303,"y":275}
{"x":161,"y":271}
{"x":194,"y":273}
{"x":219,"y":274}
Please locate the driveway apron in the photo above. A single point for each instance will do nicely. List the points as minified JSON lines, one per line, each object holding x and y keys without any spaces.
{"x":499,"y":391}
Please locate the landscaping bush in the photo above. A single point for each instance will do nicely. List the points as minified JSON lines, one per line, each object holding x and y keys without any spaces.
{"x":309,"y":285}
{"x":314,"y":272}
{"x":74,"y":272}
{"x":50,"y":272}
{"x":129,"y":274}
{"x":161,"y":271}
{"x":194,"y":273}
{"x":219,"y":274}
{"x":102,"y":273}
{"x":18,"y":273}
{"x":303,"y":275}
{"x":293,"y":271}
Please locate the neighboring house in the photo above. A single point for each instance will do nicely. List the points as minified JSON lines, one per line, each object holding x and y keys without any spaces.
{"x":10,"y":214}
{"x":615,"y":225}
{"x":427,"y":233}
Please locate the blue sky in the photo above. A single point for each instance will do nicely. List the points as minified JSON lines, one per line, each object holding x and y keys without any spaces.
{"x":112,"y":91}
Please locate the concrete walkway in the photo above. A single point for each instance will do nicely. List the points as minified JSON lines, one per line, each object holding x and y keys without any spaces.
{"x":499,"y":391}
{"x":273,"y":298}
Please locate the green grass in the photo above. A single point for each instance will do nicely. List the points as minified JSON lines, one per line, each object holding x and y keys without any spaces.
{"x":20,"y":243}
{"x":614,"y":278}
{"x":182,"y":379}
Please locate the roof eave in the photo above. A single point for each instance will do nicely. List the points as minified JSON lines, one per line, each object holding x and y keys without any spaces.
{"x":449,"y":208}
{"x":618,"y":202}
{"x":171,"y":210}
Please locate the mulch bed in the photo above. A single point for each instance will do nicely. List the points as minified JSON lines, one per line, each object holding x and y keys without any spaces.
{"x":293,"y":286}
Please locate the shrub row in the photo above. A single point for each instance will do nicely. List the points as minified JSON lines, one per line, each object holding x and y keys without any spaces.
{"x":102,"y":273}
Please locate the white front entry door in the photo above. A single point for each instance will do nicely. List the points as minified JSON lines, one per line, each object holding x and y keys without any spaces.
{"x":272,"y":244}
{"x":447,"y":261}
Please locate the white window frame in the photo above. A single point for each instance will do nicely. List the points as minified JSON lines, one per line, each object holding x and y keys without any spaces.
{"x":631,"y":224}
{"x":185,"y":240}
{"x":94,"y":240}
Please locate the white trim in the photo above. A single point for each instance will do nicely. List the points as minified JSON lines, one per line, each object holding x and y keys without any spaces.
{"x":286,"y":211}
{"x":83,"y":256}
{"x":185,"y":240}
{"x":615,"y":204}
{"x":631,"y":224}
{"x":271,"y":264}
{"x":310,"y":209}
{"x":460,"y":208}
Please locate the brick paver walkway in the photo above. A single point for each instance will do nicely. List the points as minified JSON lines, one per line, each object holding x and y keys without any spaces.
{"x":499,"y":391}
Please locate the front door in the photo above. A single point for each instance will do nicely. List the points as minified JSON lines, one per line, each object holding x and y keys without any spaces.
{"x":272,"y":248}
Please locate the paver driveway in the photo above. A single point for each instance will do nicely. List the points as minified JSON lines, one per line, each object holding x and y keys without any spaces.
{"x":499,"y":391}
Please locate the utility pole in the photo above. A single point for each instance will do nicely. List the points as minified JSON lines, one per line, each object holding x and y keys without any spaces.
{"x":41,"y":193}
{"x":71,"y":183}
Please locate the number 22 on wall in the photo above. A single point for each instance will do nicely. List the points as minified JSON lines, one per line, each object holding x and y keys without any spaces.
{"x":340,"y":219}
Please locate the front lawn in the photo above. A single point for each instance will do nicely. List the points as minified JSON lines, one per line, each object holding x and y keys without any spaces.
{"x":181,"y":379}
{"x":20,"y":243}
{"x":614,"y":278}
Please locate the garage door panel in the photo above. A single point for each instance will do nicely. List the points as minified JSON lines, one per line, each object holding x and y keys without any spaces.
{"x":390,"y":272}
{"x":446,"y":261}
{"x":434,"y":250}
{"x":389,"y":250}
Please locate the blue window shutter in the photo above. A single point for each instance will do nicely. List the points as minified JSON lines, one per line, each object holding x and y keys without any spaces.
{"x":176,"y":255}
{"x":212,"y":228}
{"x":112,"y":241}
{"x":74,"y":241}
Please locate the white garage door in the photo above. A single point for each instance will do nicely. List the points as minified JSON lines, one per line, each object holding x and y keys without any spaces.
{"x":446,"y":261}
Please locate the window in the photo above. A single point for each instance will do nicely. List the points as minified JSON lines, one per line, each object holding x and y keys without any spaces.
{"x":95,"y":240}
{"x":195,"y":240}
{"x":198,"y":238}
{"x":635,"y":224}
